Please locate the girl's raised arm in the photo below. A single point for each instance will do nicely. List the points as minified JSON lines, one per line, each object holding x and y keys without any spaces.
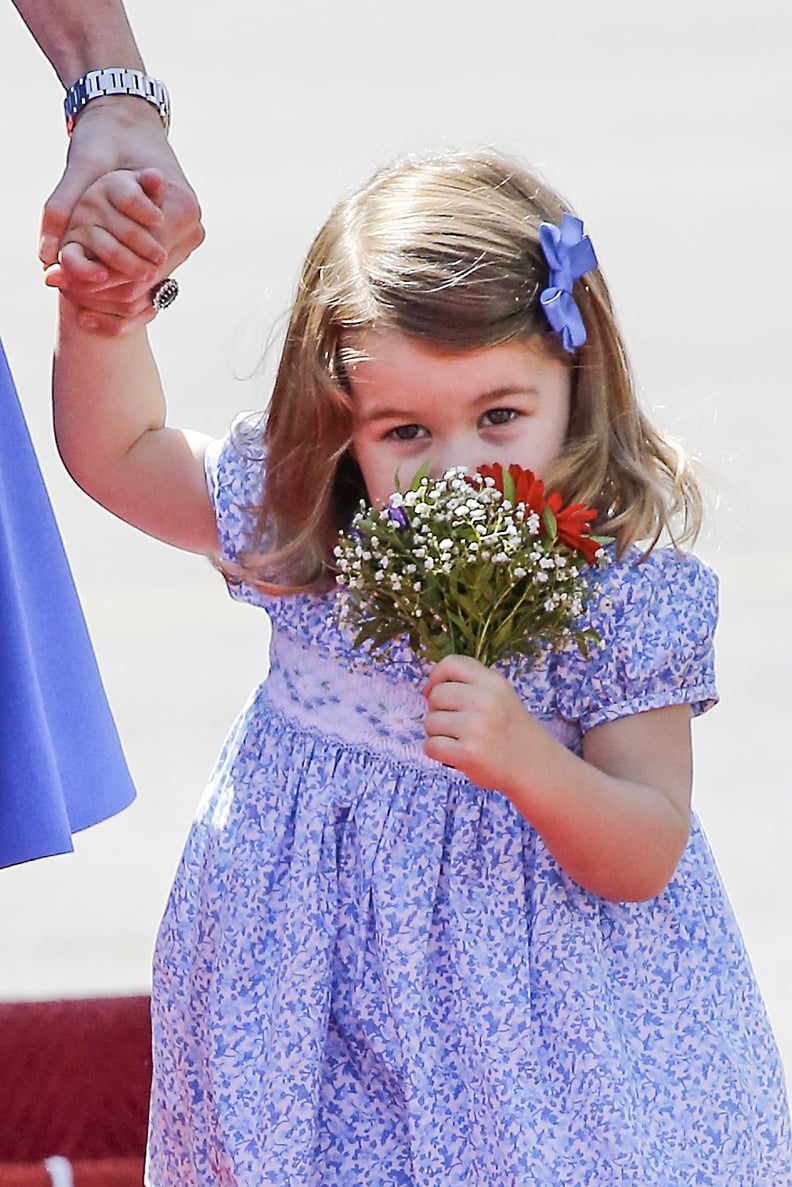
{"x":109,"y":412}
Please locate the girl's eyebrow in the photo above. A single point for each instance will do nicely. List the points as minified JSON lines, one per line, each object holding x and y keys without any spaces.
{"x":486,"y":397}
{"x":506,"y":389}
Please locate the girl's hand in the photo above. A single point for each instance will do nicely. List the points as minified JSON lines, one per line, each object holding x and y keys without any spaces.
{"x":112,"y":230}
{"x":111,"y":256}
{"x":617,"y":820}
{"x":477,"y":723}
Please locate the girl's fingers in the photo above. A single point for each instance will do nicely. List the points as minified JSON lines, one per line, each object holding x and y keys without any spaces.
{"x":460,"y":668}
{"x":441,"y":723}
{"x":153,"y":184}
{"x":81,"y":268}
{"x":138,"y":261}
{"x":443,"y":750}
{"x":135,"y":238}
{"x":126,"y":193}
{"x":448,"y":695}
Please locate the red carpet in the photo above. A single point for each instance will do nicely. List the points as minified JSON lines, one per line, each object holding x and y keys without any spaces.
{"x":98,"y":1172}
{"x":74,"y":1081}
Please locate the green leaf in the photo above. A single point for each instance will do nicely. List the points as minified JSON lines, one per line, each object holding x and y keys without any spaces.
{"x":419,"y":475}
{"x":550,"y":522}
{"x":509,"y":488}
{"x":584,"y":637}
{"x":445,"y":646}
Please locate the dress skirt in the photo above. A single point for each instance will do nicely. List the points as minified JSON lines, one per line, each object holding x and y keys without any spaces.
{"x":61,"y":763}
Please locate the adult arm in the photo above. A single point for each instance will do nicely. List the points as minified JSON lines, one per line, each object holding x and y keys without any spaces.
{"x":113,"y":132}
{"x":81,"y":35}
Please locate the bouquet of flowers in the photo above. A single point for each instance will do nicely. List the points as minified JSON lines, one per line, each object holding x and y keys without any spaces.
{"x":485,"y":565}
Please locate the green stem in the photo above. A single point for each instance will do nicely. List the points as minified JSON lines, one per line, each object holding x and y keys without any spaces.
{"x":486,"y":624}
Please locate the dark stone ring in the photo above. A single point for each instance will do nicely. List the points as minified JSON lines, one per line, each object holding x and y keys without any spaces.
{"x":164,"y":293}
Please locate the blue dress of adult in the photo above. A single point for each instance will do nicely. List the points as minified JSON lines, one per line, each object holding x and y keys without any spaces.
{"x":61,"y":763}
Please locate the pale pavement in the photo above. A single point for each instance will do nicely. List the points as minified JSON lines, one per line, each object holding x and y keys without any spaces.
{"x":669,"y":128}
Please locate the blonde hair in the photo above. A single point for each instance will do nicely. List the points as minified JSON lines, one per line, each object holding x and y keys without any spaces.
{"x":446,"y":250}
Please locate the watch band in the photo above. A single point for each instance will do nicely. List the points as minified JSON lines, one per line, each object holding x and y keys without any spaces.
{"x":116,"y":80}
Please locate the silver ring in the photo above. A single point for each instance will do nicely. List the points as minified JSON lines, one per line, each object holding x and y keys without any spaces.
{"x":164,"y":293}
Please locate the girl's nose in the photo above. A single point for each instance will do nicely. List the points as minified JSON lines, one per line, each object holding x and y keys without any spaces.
{"x":456,"y":451}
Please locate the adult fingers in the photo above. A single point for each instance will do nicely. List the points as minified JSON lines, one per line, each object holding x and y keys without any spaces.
{"x":108,"y":303}
{"x":57,"y":212}
{"x":192,"y":237}
{"x":182,"y":230}
{"x":84,"y":164}
{"x":121,"y":301}
{"x":116,"y":294}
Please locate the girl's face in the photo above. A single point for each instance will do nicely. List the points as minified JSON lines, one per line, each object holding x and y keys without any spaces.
{"x":416,"y":405}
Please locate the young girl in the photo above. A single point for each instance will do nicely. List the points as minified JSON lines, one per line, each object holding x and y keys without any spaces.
{"x":453,"y":926}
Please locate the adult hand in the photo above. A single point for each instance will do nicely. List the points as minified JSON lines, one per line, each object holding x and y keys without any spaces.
{"x":112,"y":133}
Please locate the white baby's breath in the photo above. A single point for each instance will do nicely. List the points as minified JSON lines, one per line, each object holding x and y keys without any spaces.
{"x":461,"y":565}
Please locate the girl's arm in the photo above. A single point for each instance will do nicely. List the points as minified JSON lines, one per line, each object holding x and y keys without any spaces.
{"x":109,"y":414}
{"x":616,"y":820}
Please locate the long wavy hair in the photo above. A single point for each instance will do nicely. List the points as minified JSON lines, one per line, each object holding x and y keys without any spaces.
{"x":446,"y":250}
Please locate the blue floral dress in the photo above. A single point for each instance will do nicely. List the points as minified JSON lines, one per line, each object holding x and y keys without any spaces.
{"x":372,"y":973}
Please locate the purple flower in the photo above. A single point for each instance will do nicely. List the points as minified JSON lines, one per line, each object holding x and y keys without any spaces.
{"x":398,"y":515}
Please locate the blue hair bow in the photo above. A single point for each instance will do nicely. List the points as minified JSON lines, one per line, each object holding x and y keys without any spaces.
{"x":569,"y":255}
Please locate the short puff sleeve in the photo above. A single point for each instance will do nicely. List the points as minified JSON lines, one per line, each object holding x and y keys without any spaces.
{"x":234,"y":467}
{"x":656,"y":619}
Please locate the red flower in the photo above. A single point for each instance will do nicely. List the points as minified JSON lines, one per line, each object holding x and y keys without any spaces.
{"x":573,"y":523}
{"x":528,"y":489}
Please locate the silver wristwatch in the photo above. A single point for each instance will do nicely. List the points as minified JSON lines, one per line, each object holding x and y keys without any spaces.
{"x":116,"y":80}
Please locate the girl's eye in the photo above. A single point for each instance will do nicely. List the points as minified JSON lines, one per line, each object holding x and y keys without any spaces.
{"x":499,"y":416}
{"x":407,"y":432}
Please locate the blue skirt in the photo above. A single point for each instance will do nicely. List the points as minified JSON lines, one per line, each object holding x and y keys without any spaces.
{"x":61,"y":764}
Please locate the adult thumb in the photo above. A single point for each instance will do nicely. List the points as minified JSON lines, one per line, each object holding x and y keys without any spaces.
{"x":82,"y":168}
{"x":56,"y":215}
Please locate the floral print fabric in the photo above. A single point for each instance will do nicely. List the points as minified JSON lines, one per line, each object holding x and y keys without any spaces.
{"x":372,"y":973}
